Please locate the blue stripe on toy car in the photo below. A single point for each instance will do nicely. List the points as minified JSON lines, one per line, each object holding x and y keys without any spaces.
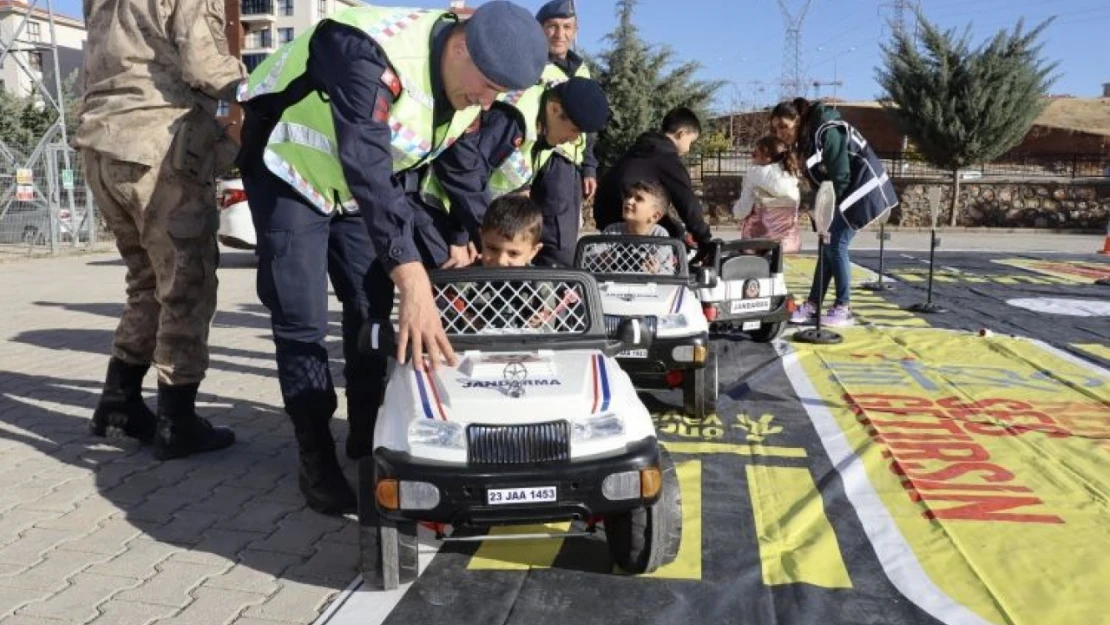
{"x":601,"y":380}
{"x":423,"y":394}
{"x":678,"y":295}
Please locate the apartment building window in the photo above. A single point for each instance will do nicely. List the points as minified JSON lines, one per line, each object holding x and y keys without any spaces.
{"x":285,"y":7}
{"x":323,"y":8}
{"x":262,"y":38}
{"x":252,"y":61}
{"x":34,"y":59}
{"x":285,"y":35}
{"x":34,"y":31}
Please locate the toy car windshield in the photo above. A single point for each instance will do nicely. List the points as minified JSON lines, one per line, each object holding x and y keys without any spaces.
{"x":630,"y":258}
{"x":511,"y":308}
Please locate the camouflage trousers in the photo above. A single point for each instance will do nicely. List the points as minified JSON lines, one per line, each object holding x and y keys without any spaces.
{"x":165,"y":228}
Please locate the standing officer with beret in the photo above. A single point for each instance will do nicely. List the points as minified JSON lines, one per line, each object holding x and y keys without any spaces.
{"x":336,"y":121}
{"x":572,"y":174}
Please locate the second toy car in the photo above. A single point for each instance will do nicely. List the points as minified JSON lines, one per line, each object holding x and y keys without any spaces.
{"x":648,"y":278}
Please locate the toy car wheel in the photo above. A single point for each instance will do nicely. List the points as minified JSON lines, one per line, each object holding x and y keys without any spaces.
{"x":644,"y":539}
{"x":388,"y":553}
{"x":699,"y":389}
{"x":768,"y":332}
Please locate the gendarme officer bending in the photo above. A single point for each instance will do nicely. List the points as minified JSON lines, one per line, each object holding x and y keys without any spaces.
{"x":335,"y":122}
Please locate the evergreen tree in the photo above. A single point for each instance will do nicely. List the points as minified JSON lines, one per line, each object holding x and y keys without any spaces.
{"x":961,"y":105}
{"x":642,"y":86}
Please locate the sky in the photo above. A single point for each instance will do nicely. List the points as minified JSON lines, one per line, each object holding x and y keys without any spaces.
{"x":742,"y":41}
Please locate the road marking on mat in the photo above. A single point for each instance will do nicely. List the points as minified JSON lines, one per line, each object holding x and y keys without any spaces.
{"x":688,"y":563}
{"x":732,"y":448}
{"x":894,"y":553}
{"x":797,"y":544}
{"x":519,"y":555}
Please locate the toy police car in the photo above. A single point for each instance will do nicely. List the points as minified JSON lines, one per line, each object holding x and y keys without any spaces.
{"x":536,"y":423}
{"x":647,"y":278}
{"x":750,"y":293}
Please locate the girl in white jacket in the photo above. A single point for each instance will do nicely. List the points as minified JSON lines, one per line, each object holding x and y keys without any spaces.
{"x":769,"y":196}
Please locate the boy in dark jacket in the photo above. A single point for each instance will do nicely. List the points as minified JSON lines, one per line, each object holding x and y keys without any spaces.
{"x":657,"y":157}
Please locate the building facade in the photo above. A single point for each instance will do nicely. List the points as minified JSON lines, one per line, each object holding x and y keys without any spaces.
{"x":29,"y":63}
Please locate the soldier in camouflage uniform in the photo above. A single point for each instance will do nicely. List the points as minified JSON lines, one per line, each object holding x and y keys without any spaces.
{"x":154,"y":73}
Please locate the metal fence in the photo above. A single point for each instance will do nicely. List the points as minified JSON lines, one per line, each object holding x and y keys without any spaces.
{"x":901,"y":165}
{"x":45,"y":205}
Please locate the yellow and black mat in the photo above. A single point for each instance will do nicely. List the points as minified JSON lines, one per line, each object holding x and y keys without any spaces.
{"x":912,"y":474}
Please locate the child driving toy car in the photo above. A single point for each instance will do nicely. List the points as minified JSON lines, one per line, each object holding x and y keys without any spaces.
{"x":510,"y":234}
{"x":645,"y":203}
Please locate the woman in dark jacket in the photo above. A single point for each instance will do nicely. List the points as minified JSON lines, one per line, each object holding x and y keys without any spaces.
{"x":834,"y":151}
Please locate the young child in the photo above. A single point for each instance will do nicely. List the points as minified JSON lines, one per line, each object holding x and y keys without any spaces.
{"x":769,"y":196}
{"x":645,"y":203}
{"x":511,"y":232}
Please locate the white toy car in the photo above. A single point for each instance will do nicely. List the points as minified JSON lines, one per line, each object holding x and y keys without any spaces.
{"x":750,"y":294}
{"x":236,"y":227}
{"x":536,"y":423}
{"x":647,"y":278}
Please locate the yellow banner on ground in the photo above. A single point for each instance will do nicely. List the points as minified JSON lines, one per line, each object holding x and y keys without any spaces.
{"x":978,"y":468}
{"x":1083,"y":272}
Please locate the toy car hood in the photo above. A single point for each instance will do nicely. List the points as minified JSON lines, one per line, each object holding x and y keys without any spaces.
{"x":504,"y":388}
{"x":628,"y":299}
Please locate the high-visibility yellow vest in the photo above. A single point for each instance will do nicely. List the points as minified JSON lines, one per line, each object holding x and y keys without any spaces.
{"x":574,"y":151}
{"x":302,"y":149}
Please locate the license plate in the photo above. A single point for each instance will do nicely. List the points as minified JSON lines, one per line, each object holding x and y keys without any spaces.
{"x":633,"y":353}
{"x":528,"y":494}
{"x":750,"y":325}
{"x":762,"y":304}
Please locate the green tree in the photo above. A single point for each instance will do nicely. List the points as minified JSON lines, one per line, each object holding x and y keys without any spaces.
{"x":642,"y":84}
{"x":962,"y":105}
{"x":24,"y":120}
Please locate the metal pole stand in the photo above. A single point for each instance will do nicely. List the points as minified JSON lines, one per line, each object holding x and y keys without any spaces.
{"x":819,"y":335}
{"x":880,"y":283}
{"x":929,"y":306}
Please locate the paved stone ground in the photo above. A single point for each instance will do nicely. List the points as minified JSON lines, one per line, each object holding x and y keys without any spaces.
{"x":91,"y":532}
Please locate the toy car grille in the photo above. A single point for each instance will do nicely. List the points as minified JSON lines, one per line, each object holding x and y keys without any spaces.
{"x":518,"y":444}
{"x":505,"y":307}
{"x":639,"y":258}
{"x":613,"y":322}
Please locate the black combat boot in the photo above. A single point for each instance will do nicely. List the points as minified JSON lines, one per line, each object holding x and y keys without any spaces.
{"x":321,"y":479}
{"x":121,"y":410}
{"x":180,"y":431}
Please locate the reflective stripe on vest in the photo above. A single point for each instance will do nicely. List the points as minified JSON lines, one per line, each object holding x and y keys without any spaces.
{"x":872,"y":193}
{"x":518,"y":169}
{"x":301,"y":149}
{"x":573,"y":151}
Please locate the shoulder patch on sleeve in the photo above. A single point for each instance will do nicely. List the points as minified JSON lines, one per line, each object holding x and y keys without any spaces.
{"x":381,"y":109}
{"x":392,"y":82}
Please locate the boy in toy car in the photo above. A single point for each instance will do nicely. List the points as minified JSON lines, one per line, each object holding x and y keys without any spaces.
{"x":645,"y":203}
{"x":510,"y":235}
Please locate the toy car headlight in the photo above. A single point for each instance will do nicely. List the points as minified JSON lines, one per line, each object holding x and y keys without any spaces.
{"x":435,"y":433}
{"x":672,"y":322}
{"x":594,"y":428}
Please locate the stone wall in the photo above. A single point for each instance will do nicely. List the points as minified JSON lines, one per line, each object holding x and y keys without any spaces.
{"x":1082,"y":204}
{"x":1065,"y":204}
